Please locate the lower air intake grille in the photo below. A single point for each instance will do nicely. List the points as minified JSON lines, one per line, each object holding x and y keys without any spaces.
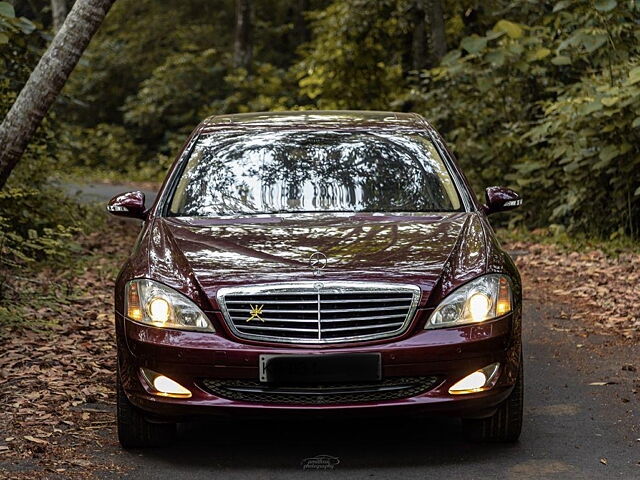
{"x":253,"y":391}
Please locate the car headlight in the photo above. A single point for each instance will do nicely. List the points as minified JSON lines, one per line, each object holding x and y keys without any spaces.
{"x":479,"y":300}
{"x":157,"y":305}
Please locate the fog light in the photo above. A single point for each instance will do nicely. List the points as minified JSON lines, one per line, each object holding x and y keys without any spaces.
{"x":478,"y":381}
{"x":164,"y":386}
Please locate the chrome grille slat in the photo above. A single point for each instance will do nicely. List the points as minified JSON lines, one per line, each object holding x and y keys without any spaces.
{"x":279,"y":329}
{"x":353,"y":319}
{"x":341,"y":311}
{"x":370,"y":300}
{"x":291,"y":320}
{"x":315,"y":311}
{"x":362,"y":327}
{"x":374,"y":309}
{"x":314,"y":302}
{"x":329,"y":310}
{"x":266,"y":302}
{"x":315,"y":320}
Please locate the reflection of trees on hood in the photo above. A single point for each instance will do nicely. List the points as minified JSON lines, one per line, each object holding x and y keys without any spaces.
{"x":270,"y":171}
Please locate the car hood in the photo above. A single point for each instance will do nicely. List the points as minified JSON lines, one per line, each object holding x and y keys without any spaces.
{"x":416,"y":249}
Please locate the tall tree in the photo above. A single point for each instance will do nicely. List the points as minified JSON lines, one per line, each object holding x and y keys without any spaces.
{"x":428,"y":44}
{"x":301,"y":32}
{"x":58,"y":13}
{"x":434,"y":23}
{"x":47,"y":79}
{"x":419,"y":39}
{"x":243,"y":42}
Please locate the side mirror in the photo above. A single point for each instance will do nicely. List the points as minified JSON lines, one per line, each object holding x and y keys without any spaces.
{"x":501,"y":199}
{"x":130,"y":204}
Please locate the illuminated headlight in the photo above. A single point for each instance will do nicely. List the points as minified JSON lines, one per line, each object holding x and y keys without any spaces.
{"x":481,"y":299}
{"x":156,"y":304}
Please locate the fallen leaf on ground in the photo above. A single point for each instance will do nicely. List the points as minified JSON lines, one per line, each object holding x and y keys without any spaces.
{"x":600,"y":291}
{"x":36,"y":440}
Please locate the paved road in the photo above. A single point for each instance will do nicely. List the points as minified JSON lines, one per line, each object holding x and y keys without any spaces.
{"x":102,"y":192}
{"x":572,"y":430}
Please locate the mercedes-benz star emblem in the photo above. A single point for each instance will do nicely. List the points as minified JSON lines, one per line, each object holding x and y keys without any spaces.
{"x":317,"y":261}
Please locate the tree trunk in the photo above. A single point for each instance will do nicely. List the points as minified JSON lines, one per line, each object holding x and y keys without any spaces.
{"x":301,"y":32}
{"x":436,"y":40}
{"x":47,"y":79}
{"x":58,"y":13}
{"x":419,"y":39}
{"x":243,"y":43}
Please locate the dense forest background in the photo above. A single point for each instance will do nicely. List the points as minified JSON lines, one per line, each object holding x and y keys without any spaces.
{"x":542,"y":96}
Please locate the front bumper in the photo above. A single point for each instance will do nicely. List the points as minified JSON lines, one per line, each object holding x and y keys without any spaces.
{"x":190,"y":357}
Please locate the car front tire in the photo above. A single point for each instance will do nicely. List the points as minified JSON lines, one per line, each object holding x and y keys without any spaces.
{"x":505,"y":425}
{"x":134,"y":430}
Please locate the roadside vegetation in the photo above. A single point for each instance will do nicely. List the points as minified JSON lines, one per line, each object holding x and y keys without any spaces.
{"x":540,"y":96}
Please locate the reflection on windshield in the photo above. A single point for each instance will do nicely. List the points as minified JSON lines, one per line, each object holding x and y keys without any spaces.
{"x":252,"y":172}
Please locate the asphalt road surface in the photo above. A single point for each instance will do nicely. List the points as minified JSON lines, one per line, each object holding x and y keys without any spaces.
{"x":102,"y":192}
{"x":572,"y":429}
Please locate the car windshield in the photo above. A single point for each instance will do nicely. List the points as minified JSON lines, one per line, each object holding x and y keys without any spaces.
{"x":249,"y":172}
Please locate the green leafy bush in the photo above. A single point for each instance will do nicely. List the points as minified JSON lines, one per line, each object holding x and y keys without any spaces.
{"x":588,"y":176}
{"x":29,"y":232}
{"x":266,"y":88}
{"x":105,"y":146}
{"x":36,"y":220}
{"x":347,"y":64}
{"x":541,"y":95}
{"x":552,"y":107}
{"x":173,"y":96}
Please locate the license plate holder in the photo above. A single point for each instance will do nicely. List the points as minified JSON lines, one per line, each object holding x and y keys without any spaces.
{"x":320,"y":368}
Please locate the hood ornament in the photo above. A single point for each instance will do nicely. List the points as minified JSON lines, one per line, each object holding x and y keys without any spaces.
{"x":317,"y":261}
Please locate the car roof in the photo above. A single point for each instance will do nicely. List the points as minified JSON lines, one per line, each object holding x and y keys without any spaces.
{"x":317,"y":119}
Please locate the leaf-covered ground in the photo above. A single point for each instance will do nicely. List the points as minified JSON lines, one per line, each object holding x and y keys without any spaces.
{"x":57,"y":383}
{"x":600,"y":291}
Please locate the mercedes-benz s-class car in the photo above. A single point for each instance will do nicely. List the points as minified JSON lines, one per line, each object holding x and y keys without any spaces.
{"x":317,"y":263}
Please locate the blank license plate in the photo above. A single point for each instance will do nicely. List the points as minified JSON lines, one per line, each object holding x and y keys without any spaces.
{"x":315,"y":368}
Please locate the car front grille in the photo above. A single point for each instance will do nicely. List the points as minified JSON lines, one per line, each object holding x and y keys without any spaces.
{"x":319,"y":312}
{"x":393,"y":388}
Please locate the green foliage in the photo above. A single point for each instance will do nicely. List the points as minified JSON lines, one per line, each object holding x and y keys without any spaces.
{"x":266,"y":88}
{"x":36,"y":220}
{"x":542,"y":95}
{"x":137,"y":38}
{"x":591,"y":170}
{"x":103,"y":146}
{"x":13,"y":28}
{"x":175,"y":92}
{"x":18,"y":53}
{"x":550,"y":107}
{"x":28,"y":232}
{"x":347,"y":64}
{"x":482,"y":98}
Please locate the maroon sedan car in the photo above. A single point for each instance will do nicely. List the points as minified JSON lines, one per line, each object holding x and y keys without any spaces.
{"x":315,"y":263}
